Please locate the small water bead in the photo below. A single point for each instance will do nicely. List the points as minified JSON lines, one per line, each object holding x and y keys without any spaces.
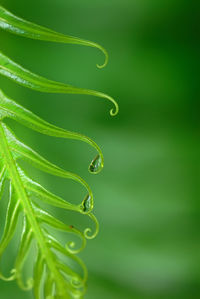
{"x":87,"y":204}
{"x":96,"y":164}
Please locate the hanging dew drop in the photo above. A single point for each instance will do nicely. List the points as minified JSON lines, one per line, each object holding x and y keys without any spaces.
{"x":96,"y":165}
{"x":87,"y":204}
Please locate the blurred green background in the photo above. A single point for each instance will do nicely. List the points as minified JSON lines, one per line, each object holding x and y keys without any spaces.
{"x":147,"y":197}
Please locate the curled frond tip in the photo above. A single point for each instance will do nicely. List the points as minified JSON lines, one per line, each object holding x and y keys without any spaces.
{"x":114,"y":111}
{"x":88,"y":231}
{"x":11,"y":277}
{"x":100,"y":66}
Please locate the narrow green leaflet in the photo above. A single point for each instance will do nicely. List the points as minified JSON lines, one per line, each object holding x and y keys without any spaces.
{"x":58,"y":272}
{"x":17,"y":73}
{"x":18,"y":26}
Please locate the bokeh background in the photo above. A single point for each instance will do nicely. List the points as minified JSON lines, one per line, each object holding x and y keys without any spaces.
{"x":147,"y":197}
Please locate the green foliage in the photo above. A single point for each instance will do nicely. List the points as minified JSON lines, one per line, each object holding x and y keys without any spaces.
{"x":52,"y":277}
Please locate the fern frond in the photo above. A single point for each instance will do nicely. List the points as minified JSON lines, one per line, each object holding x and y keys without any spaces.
{"x":55,"y":274}
{"x":21,"y":200}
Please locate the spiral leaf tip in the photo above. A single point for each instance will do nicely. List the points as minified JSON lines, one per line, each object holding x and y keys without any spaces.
{"x":88,"y":231}
{"x":114,"y":111}
{"x":101,"y":66}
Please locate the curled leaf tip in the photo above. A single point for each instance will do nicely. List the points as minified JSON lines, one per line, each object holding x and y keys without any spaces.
{"x":101,"y":66}
{"x":88,"y":231}
{"x":114,"y":111}
{"x":28,"y":285}
{"x":70,"y":246}
{"x":11,"y":277}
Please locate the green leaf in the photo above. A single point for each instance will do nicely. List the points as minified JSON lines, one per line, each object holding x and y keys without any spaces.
{"x":22,"y":76}
{"x":19,"y":26}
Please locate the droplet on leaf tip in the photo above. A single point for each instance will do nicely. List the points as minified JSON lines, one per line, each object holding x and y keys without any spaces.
{"x":95,"y":165}
{"x":87,"y":204}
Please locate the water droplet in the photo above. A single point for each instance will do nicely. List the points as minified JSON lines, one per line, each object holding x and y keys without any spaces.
{"x":87,"y":204}
{"x":95,"y":165}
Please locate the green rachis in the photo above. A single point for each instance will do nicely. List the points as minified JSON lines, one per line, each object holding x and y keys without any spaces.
{"x":52,"y":277}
